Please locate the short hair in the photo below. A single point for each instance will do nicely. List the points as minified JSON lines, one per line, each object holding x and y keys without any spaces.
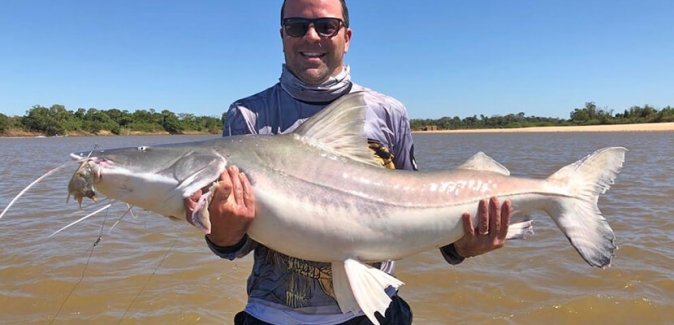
{"x":345,"y":12}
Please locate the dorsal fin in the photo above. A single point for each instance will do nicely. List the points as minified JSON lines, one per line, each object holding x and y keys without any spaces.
{"x":480,"y":161}
{"x":339,"y":129}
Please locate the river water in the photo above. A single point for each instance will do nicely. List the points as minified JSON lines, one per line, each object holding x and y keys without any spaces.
{"x":150,"y":270}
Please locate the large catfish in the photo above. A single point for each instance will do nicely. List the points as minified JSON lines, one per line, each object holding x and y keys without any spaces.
{"x":321,"y":197}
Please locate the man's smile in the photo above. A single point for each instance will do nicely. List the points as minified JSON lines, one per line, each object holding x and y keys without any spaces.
{"x":312,"y":54}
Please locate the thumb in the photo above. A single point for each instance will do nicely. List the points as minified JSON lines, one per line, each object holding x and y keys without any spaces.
{"x":191,"y":202}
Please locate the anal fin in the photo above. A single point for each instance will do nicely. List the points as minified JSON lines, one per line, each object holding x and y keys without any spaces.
{"x":360,"y":286}
{"x":521,"y":226}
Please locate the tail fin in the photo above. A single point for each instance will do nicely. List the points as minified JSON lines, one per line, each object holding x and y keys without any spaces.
{"x":578,"y":215}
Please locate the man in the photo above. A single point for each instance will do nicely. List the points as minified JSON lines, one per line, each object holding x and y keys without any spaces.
{"x":283,"y":289}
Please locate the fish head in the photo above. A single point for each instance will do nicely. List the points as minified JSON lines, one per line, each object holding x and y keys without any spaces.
{"x":134,"y":159}
{"x":82,"y":183}
{"x":156,"y":178}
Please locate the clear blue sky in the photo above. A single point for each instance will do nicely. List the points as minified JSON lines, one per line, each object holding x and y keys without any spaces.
{"x":440,"y":58}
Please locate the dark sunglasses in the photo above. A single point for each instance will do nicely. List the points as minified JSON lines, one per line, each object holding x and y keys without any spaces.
{"x":325,"y":27}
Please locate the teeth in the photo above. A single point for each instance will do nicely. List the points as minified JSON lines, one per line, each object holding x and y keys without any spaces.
{"x":312,"y":54}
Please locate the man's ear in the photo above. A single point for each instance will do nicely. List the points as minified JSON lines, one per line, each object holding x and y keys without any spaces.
{"x":347,"y":40}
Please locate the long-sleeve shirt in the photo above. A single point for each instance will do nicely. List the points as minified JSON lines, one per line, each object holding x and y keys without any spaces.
{"x":284,"y":289}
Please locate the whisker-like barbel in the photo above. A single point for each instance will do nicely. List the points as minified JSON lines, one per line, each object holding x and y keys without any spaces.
{"x":31,"y":185}
{"x":81,"y":219}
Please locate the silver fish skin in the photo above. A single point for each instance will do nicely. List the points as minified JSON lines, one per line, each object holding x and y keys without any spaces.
{"x":321,"y":197}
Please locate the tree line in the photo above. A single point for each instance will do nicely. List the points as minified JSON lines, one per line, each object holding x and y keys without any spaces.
{"x":588,"y":115}
{"x":57,"y":120}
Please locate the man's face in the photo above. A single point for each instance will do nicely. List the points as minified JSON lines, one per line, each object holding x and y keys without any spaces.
{"x":313,"y":58}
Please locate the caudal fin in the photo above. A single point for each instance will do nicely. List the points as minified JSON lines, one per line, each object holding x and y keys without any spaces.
{"x":578,"y":215}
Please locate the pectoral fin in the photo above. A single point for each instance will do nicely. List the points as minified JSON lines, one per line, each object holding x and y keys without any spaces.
{"x":200,"y":215}
{"x":360,"y":286}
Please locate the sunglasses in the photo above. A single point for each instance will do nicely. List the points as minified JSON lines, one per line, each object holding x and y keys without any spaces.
{"x":325,"y":27}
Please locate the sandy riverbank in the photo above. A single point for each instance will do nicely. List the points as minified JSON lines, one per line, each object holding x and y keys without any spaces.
{"x":641,"y":127}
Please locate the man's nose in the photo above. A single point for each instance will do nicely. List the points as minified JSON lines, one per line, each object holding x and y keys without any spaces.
{"x":312,"y":34}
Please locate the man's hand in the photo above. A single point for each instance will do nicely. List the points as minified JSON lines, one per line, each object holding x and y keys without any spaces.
{"x":491,"y":230}
{"x":231,"y":210}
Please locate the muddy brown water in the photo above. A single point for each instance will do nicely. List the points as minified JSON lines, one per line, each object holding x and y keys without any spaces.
{"x":150,"y":270}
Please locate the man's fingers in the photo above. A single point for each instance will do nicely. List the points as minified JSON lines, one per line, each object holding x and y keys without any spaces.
{"x":224,"y":175}
{"x":483,"y":218}
{"x":224,"y":188}
{"x":237,"y":188}
{"x":468,"y":224}
{"x":504,"y":219}
{"x":190,"y":203}
{"x":248,"y":197}
{"x":494,"y":216}
{"x":195,"y":196}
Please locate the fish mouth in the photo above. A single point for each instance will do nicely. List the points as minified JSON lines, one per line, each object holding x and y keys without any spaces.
{"x":76,"y":156}
{"x":85,"y":156}
{"x":93,"y":164}
{"x":81,"y":156}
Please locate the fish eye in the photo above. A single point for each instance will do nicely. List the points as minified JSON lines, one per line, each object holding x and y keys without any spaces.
{"x":143,"y":148}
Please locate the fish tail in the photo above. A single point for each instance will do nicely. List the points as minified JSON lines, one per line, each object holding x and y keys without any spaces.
{"x":576,"y":212}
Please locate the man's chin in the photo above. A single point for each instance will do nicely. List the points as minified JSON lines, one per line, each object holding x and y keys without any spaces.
{"x":314,"y":76}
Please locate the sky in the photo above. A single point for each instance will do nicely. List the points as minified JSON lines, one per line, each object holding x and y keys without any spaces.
{"x":440,"y":58}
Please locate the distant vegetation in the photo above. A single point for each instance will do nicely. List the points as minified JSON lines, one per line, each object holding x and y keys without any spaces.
{"x":588,"y":115}
{"x":57,"y":120}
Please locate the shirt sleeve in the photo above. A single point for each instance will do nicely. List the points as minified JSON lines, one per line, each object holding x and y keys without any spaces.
{"x":450,"y":254}
{"x":241,"y":249}
{"x":238,"y":121}
{"x":403,"y":151}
